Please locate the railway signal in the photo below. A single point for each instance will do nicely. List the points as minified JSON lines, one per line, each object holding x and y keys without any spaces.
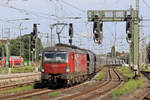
{"x":33,"y":37}
{"x":70,"y":33}
{"x":129,"y":28}
{"x":71,"y":30}
{"x":32,"y":42}
{"x":97,"y":30}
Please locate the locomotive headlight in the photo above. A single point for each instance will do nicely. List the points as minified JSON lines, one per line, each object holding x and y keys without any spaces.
{"x":42,"y":69}
{"x":67,"y":69}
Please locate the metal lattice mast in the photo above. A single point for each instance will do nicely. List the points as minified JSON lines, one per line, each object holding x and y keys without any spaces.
{"x":136,"y":39}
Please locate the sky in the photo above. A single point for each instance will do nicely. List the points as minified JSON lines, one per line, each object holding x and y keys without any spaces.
{"x":47,"y":12}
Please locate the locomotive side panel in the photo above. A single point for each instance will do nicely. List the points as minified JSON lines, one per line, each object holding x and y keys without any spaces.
{"x":71,"y":62}
{"x":83,"y":63}
{"x":80,"y":63}
{"x":77,"y":63}
{"x":99,"y":62}
{"x":91,"y":63}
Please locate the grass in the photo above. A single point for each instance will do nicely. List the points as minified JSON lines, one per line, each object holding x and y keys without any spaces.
{"x":127,"y":72}
{"x":34,"y":98}
{"x":85,"y":85}
{"x":54,"y":94}
{"x":17,"y":90}
{"x":24,"y":69}
{"x":127,"y":87}
{"x":102,"y":75}
{"x":145,"y":68}
{"x":19,"y":69}
{"x":3,"y":70}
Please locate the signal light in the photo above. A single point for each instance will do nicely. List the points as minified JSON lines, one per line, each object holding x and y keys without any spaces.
{"x":34,"y":29}
{"x":70,"y":41}
{"x":129,"y":37}
{"x":33,"y":37}
{"x":97,"y":31}
{"x":32,"y":43}
{"x":129,"y":28}
{"x":71,"y":30}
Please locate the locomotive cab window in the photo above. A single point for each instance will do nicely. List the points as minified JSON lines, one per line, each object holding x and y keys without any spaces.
{"x":48,"y":56}
{"x":61,"y":56}
{"x":55,"y":56}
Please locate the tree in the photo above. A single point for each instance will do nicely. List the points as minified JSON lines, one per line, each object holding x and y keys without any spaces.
{"x":2,"y":45}
{"x":113,"y":51}
{"x":15,"y":46}
{"x":148,"y":52}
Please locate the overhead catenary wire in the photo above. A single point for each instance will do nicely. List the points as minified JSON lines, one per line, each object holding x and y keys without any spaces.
{"x":37,"y":14}
{"x":146,"y":4}
{"x":71,"y":5}
{"x":71,"y":14}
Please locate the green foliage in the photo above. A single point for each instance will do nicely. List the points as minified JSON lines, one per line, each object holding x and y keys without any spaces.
{"x":113,"y":51}
{"x":22,"y":69}
{"x":102,"y":74}
{"x":85,"y":85}
{"x":54,"y":94}
{"x":127,"y":87}
{"x":15,"y":46}
{"x":127,"y":72}
{"x":34,"y":98}
{"x":25,"y":69}
{"x":146,"y":68}
{"x":17,"y":90}
{"x":2,"y":45}
{"x":3,"y":70}
{"x":148,"y":52}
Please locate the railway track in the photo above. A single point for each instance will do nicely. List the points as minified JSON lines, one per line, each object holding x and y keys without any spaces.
{"x":114,"y":80}
{"x":146,"y":96}
{"x":26,"y":94}
{"x":11,"y":79}
{"x":11,"y":76}
{"x":15,"y":84}
{"x":2,"y":88}
{"x":35,"y":92}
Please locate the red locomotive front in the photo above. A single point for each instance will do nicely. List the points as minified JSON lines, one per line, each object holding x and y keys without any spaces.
{"x":67,"y":65}
{"x":55,"y":62}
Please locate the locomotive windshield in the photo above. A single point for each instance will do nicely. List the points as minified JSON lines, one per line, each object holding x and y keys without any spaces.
{"x":55,"y":56}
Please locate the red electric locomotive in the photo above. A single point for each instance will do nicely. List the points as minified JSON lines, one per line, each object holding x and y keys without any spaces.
{"x":66,"y":65}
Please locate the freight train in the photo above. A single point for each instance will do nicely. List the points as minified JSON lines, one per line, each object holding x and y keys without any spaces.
{"x":68,"y":65}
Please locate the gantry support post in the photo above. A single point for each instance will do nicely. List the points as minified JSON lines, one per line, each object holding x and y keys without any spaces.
{"x":136,"y":46}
